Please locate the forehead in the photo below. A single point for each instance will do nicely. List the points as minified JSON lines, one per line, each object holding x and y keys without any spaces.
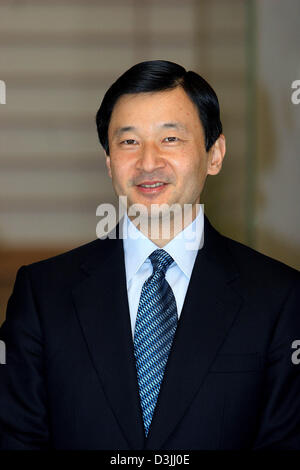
{"x":150,"y":107}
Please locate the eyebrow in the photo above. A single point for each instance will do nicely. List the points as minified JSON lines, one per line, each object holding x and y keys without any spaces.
{"x":174,"y":125}
{"x":166,"y":125}
{"x":121,"y":130}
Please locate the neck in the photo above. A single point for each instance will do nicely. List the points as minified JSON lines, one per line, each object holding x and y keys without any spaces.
{"x":161,"y":229}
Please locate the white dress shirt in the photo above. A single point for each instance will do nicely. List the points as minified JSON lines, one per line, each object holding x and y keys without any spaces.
{"x":137,"y":249}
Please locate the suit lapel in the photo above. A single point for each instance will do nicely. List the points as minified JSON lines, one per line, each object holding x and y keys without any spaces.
{"x":102,"y":308}
{"x":210,"y":307}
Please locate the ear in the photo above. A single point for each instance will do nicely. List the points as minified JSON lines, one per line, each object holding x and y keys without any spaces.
{"x":107,"y":162}
{"x":215,"y":156}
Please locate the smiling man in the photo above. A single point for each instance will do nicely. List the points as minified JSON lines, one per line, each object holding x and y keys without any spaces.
{"x":158,"y":153}
{"x":140,"y":342}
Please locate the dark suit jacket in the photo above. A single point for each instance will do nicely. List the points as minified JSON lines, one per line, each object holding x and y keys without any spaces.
{"x":70,"y":381}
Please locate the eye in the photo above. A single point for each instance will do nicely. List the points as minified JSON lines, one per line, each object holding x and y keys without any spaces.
{"x":128,"y":141}
{"x":171,"y":139}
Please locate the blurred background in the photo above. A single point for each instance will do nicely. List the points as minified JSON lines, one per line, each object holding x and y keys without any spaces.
{"x":58,"y":57}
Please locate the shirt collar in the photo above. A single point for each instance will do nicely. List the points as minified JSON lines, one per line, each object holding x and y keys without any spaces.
{"x":138,"y":247}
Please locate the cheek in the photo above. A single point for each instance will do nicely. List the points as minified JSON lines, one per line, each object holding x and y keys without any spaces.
{"x":120,"y":172}
{"x":116,"y":165}
{"x":190,"y":165}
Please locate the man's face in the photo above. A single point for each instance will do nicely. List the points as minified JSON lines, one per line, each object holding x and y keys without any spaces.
{"x":158,"y":138}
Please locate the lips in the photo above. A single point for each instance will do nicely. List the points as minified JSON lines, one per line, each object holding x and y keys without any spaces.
{"x":151,"y":186}
{"x":150,"y":183}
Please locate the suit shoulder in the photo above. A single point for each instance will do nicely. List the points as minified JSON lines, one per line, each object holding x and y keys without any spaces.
{"x":262,"y":266}
{"x":69,"y":260}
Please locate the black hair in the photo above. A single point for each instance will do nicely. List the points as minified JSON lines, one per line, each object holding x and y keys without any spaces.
{"x":160,"y":75}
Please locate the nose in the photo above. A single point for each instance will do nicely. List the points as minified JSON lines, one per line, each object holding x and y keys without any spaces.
{"x":149,"y":158}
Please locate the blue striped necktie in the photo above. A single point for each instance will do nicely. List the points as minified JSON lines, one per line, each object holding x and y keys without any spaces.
{"x":155,"y":327}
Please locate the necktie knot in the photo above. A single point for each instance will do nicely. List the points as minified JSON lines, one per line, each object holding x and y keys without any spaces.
{"x":160,"y":260}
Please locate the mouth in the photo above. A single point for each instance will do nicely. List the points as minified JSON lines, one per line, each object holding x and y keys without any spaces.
{"x":151,"y":187}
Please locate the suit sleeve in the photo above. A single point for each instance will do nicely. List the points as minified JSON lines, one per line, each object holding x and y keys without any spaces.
{"x":23,"y":406}
{"x":279,"y":426}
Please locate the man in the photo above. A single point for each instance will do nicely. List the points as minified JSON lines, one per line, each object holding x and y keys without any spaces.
{"x":143,"y":342}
